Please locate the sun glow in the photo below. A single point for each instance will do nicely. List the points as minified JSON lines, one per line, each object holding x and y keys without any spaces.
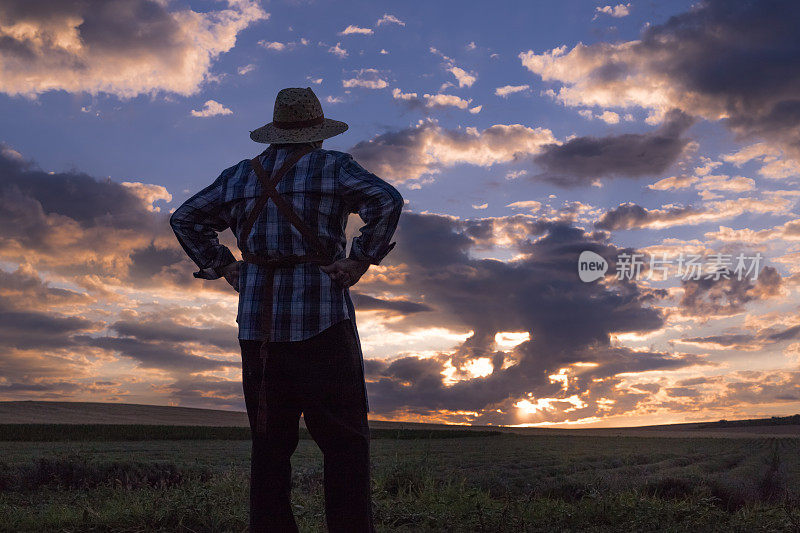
{"x":506,"y":340}
{"x":539,"y":405}
{"x":475,"y":368}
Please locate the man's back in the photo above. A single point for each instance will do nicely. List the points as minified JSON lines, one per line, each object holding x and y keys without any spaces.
{"x":312,"y":361}
{"x":323,"y":187}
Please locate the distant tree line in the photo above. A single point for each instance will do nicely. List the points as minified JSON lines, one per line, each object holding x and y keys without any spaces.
{"x":771,"y":421}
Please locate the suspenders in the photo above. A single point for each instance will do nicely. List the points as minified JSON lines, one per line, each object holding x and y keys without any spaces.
{"x":321,"y":256}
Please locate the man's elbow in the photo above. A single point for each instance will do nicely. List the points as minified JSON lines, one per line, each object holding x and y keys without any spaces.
{"x":396,"y":200}
{"x":176,"y":219}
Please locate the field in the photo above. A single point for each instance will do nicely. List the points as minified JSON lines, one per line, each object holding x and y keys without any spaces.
{"x":195,"y":479}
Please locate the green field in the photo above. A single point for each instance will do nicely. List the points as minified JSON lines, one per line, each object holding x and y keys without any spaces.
{"x":96,"y":467}
{"x":479,"y":483}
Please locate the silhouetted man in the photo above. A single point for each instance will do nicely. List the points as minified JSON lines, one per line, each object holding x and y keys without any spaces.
{"x":288,"y":209}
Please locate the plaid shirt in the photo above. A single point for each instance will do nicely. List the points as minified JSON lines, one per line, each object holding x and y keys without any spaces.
{"x":323,"y":188}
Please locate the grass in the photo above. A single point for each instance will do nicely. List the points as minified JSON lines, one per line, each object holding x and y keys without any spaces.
{"x":478,"y":483}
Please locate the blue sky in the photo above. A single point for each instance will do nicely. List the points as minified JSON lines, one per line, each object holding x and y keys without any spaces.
{"x":154,"y":139}
{"x":528,"y":131}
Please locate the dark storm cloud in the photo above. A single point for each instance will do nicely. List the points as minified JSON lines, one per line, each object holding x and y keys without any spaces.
{"x":403,"y":307}
{"x":75,"y":195}
{"x":26,"y":330}
{"x":683,"y":392}
{"x":568,"y":321}
{"x":149,"y":261}
{"x":426,"y":148}
{"x":122,"y":47}
{"x":649,"y":387}
{"x":67,"y":217}
{"x":709,"y":297}
{"x":157,"y":355}
{"x":729,"y":60}
{"x":209,"y":393}
{"x":27,"y":323}
{"x":743,"y":56}
{"x":737,"y":340}
{"x":61,"y":388}
{"x":74,"y":224}
{"x":757,"y":340}
{"x":633,"y":216}
{"x":24,"y":289}
{"x":161,"y":329}
{"x":582,"y":160}
{"x":787,"y":334}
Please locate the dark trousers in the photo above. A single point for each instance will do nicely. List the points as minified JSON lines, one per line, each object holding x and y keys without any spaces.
{"x":320,"y":377}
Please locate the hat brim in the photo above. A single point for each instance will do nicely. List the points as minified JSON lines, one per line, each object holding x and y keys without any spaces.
{"x":270,"y":134}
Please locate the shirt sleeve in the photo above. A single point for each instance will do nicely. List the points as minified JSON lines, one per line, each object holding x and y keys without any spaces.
{"x":196,"y":224}
{"x":377,"y":203}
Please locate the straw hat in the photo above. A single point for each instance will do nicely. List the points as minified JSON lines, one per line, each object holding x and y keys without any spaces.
{"x":297,"y":118}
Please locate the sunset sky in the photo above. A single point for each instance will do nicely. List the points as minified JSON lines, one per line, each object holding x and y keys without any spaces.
{"x":519,"y":133}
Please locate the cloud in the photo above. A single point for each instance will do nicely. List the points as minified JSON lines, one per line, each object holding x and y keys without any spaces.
{"x":629,"y":155}
{"x":568,"y":328}
{"x":70,"y":340}
{"x":789,"y":231}
{"x":433,"y":101}
{"x":246,"y":69}
{"x":609,"y":117}
{"x":774,"y":164}
{"x":709,"y":298}
{"x":673,"y":183}
{"x":630,"y":216}
{"x":426,"y":148}
{"x":444,"y":100}
{"x":367,"y":78}
{"x":505,"y":90}
{"x":71,"y":224}
{"x":338,"y":51}
{"x":721,"y":182}
{"x":355,"y":30}
{"x":633,"y":216}
{"x":726,"y":60}
{"x":464,"y":78}
{"x":396,"y":306}
{"x":397,"y":94}
{"x":278,"y":46}
{"x":211,"y":108}
{"x":389,"y":19}
{"x":149,"y":193}
{"x":365,"y":84}
{"x":120,"y":47}
{"x":617,"y":11}
{"x":156,"y":355}
{"x":531,"y":205}
{"x":273,"y":45}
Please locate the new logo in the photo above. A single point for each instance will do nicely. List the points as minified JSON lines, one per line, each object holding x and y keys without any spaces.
{"x":591,"y":266}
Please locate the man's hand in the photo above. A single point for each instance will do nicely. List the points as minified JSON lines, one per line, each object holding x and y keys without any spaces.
{"x":231,"y":274}
{"x":346,"y":272}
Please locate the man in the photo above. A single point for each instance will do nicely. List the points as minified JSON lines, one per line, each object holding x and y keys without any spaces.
{"x":301,"y":352}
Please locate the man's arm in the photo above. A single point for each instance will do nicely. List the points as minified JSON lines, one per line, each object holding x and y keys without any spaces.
{"x":196,"y":224}
{"x":379,"y":205}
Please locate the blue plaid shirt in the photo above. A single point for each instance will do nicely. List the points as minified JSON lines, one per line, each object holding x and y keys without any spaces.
{"x":323,"y":188}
